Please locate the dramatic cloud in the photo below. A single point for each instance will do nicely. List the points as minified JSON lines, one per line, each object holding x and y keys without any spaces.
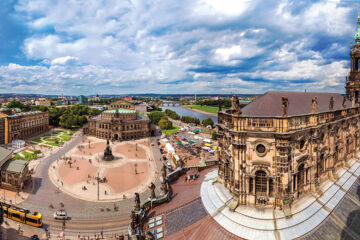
{"x":161,"y":46}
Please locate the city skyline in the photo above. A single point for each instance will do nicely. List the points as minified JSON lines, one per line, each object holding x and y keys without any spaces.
{"x":187,"y":47}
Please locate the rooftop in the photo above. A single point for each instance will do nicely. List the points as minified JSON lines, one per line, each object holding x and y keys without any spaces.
{"x":270,"y":104}
{"x":24,"y":114}
{"x":15,"y":165}
{"x":120,"y":111}
{"x":4,"y":155}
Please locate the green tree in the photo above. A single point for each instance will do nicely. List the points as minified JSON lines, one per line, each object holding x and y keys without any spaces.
{"x":165,"y":124}
{"x":214,"y":134}
{"x":156,"y":116}
{"x":172,"y":114}
{"x":207,"y":121}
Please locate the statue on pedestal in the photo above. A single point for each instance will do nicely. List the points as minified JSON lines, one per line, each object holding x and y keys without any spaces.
{"x":313,"y":105}
{"x":137,"y":202}
{"x":163,"y":173}
{"x":152,"y":191}
{"x":220,"y":104}
{"x":284,"y":107}
{"x":331,"y":104}
{"x":108,"y":156}
{"x":164,"y":187}
{"x":344,"y":102}
{"x":133,"y":222}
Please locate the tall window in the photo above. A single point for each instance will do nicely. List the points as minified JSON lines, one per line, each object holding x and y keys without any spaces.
{"x":260,"y":182}
{"x":301,"y":175}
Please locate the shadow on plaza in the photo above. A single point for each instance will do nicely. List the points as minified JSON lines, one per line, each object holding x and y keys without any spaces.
{"x":36,"y":185}
{"x":352,"y":222}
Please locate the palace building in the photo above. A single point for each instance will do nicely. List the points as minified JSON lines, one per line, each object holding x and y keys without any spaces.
{"x":22,"y":125}
{"x":284,"y":144}
{"x":120,"y":122}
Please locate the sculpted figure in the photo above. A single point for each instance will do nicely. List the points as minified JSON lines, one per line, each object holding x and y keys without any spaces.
{"x":163,"y":172}
{"x":152,"y":190}
{"x":164,"y":187}
{"x":137,"y":202}
{"x":133,"y":221}
{"x":284,"y":107}
{"x":313,"y":105}
{"x":331,"y":104}
{"x":219,"y":104}
{"x":344,"y":103}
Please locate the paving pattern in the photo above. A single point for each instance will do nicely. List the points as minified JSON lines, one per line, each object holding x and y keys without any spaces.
{"x":252,"y":223}
{"x":184,"y":216}
{"x":131,"y":171}
{"x":85,"y":216}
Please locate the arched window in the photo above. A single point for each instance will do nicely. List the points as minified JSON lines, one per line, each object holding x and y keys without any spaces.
{"x":260,"y":182}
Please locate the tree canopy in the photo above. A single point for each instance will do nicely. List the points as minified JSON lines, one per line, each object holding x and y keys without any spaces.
{"x":207,"y":121}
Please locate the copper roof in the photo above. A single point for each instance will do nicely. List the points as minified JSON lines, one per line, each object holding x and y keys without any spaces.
{"x":270,"y":104}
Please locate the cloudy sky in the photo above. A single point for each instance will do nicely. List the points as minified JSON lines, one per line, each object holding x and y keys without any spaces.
{"x":172,"y":46}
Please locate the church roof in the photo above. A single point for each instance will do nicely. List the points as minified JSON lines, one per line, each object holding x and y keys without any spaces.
{"x":270,"y":104}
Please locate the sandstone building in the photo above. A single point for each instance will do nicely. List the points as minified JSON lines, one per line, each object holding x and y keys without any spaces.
{"x":120,"y":122}
{"x":22,"y":125}
{"x":285,"y":144}
{"x":15,"y":173}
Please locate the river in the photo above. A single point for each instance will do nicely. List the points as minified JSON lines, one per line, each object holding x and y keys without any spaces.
{"x":186,"y":112}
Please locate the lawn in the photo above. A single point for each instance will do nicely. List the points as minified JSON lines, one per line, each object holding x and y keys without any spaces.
{"x":29,"y":156}
{"x":65,"y":137}
{"x":54,"y":144}
{"x":205,"y":108}
{"x":38,"y":140}
{"x":171,"y":131}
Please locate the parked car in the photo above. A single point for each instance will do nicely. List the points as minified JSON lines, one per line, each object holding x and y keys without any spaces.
{"x":60,"y":214}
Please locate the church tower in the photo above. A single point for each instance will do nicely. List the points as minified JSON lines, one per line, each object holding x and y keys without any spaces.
{"x":353,"y":81}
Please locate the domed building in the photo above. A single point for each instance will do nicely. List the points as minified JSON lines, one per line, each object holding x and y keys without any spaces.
{"x":285,"y":144}
{"x":120,"y":122}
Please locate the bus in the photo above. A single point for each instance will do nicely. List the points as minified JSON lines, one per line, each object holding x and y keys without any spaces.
{"x":22,"y":215}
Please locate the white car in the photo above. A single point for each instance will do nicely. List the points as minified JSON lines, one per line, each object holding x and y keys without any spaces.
{"x":60,"y":214}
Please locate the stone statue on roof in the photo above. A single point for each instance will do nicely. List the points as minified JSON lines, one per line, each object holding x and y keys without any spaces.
{"x":313,"y":105}
{"x":164,"y":187}
{"x":331,"y":104}
{"x":284,"y":106}
{"x":163,"y":173}
{"x":235,"y":105}
{"x":152,"y":191}
{"x":133,"y":222}
{"x":344,"y":102}
{"x":219,"y":103}
{"x":137,"y":202}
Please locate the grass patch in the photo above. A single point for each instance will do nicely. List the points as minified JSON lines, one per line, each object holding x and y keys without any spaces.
{"x":171,"y":131}
{"x":54,"y":144}
{"x":38,"y":140}
{"x":17,"y":156}
{"x":29,"y":156}
{"x":65,"y":137}
{"x":205,"y":108}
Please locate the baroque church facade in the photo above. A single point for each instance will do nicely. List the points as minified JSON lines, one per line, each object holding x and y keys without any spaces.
{"x":285,"y":144}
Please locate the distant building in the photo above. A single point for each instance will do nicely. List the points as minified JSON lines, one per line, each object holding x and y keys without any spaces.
{"x":22,"y":125}
{"x":18,"y":143}
{"x":45,"y":103}
{"x":119,"y":122}
{"x":81,"y":99}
